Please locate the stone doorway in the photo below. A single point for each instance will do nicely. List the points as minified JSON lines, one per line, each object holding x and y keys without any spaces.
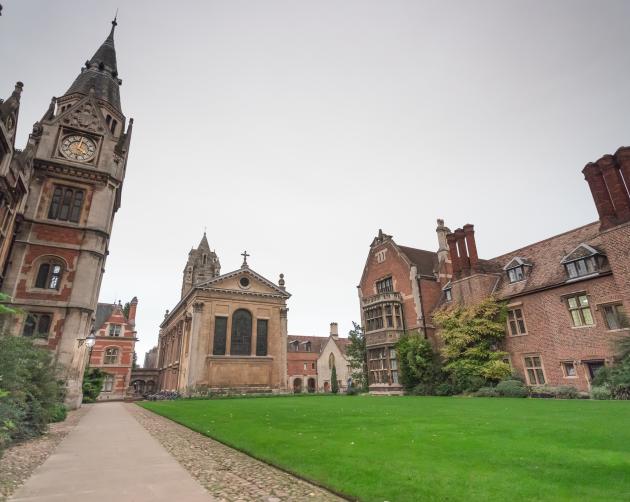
{"x":297,"y":386}
{"x":326,"y":387}
{"x":311,"y":385}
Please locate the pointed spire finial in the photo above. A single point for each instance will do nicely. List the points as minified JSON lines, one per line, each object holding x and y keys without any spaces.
{"x":114,"y":22}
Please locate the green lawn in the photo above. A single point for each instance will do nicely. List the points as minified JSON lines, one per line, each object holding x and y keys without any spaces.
{"x":429,"y":448}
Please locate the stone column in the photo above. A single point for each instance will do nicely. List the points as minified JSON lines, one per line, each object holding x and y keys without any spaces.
{"x":197,"y":356}
{"x":282,"y":381}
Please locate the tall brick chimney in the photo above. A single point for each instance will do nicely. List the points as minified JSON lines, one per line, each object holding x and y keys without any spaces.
{"x":609,"y":181}
{"x":469,"y":232}
{"x":334,"y":330}
{"x":133,"y":305}
{"x":452,"y":249}
{"x":464,"y":261}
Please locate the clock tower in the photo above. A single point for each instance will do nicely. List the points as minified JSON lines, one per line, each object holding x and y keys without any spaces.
{"x":79,"y":153}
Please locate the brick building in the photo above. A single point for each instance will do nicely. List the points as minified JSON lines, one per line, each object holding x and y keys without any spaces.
{"x":114,"y":347}
{"x":567,"y":295}
{"x":302,"y":355}
{"x":399,"y":288}
{"x":78,"y":154}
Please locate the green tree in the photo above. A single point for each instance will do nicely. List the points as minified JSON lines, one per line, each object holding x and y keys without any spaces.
{"x":356,"y":353}
{"x":470,"y":336}
{"x":334,"y":385}
{"x":92,"y":384}
{"x":417,"y":362}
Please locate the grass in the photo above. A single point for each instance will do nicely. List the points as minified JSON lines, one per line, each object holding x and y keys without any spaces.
{"x":429,"y":448}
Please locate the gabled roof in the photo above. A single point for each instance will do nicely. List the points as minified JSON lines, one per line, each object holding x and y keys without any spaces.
{"x":546,"y":258}
{"x":243,"y":270}
{"x":103,"y":313}
{"x":581,"y":251}
{"x":317,"y":342}
{"x":517,"y":261}
{"x":342,"y":343}
{"x":425,"y":261}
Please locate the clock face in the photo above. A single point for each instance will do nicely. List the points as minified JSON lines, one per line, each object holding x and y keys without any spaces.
{"x":79,"y":148}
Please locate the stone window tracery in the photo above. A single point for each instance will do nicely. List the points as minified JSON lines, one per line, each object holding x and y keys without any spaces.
{"x":49,"y":275}
{"x":241,"y":343}
{"x":66,"y":204}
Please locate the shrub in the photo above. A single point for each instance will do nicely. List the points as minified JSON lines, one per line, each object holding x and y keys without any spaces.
{"x":92,"y":384}
{"x":446,"y":389}
{"x":352,"y":391}
{"x":566,"y":392}
{"x":511,"y":388}
{"x":601,"y":392}
{"x":29,"y":391}
{"x":334,"y":385}
{"x":59,"y":413}
{"x":487,"y":392}
{"x":423,"y":389}
{"x":418,"y":364}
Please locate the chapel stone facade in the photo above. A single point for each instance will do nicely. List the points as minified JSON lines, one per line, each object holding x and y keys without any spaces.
{"x":228,"y":333}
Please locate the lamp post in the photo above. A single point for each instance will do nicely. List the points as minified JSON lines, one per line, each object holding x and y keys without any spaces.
{"x":89,"y":342}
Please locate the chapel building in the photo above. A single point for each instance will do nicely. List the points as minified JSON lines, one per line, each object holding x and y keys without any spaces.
{"x":333,"y":355}
{"x":228,"y":333}
{"x":74,"y":166}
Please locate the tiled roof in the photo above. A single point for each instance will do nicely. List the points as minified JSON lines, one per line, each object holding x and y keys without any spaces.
{"x":546,"y":260}
{"x":317,"y":342}
{"x":342,"y":343}
{"x":103,"y":312}
{"x":425,"y":261}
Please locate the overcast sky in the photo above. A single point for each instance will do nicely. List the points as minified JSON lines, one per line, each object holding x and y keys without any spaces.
{"x":296,"y":129}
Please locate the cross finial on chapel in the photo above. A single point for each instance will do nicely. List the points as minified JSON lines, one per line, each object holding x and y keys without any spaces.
{"x":244,"y":254}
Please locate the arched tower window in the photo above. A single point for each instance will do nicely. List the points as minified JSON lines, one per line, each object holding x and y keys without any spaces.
{"x":111,"y":355}
{"x":241,"y":344}
{"x":49,"y":275}
{"x":331,"y":361}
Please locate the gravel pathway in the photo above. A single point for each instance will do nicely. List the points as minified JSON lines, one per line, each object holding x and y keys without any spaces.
{"x":227,"y":474}
{"x":19,"y":461}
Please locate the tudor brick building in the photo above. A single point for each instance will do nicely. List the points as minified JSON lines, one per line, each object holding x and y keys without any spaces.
{"x":227,"y":333}
{"x":74,"y":165}
{"x":302,"y":355}
{"x":399,"y":288}
{"x":115,"y":339}
{"x":567,"y":295}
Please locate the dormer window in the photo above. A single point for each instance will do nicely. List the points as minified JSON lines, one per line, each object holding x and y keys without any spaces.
{"x":583,"y":261}
{"x":307,"y":346}
{"x":515,"y":269}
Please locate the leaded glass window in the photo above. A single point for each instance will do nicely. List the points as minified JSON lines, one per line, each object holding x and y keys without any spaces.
{"x":241,"y":344}
{"x":261,"y":337}
{"x":220,"y":334}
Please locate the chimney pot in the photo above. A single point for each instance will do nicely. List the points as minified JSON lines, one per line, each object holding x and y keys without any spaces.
{"x":464,"y":261}
{"x":334,"y":329}
{"x":603,"y":202}
{"x":469,"y":232}
{"x":452,"y":248}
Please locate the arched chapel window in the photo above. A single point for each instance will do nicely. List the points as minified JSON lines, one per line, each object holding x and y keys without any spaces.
{"x":241,"y":344}
{"x":331,"y":360}
{"x":49,"y":275}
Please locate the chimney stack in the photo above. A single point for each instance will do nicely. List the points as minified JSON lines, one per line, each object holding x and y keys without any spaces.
{"x":442,"y":232}
{"x":133,"y":305}
{"x":464,"y":262}
{"x":452,"y":248}
{"x":616,"y":187}
{"x":599,"y":191}
{"x":334,"y":330}
{"x":469,"y":232}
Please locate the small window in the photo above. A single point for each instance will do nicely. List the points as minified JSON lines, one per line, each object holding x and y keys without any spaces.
{"x":304,"y":365}
{"x":108,"y":383}
{"x":448,"y":294}
{"x":312,"y":366}
{"x":385,"y":286}
{"x":112,"y":126}
{"x":580,"y":268}
{"x":111,"y":356}
{"x":307,"y":346}
{"x":569,"y":369}
{"x":381,"y":255}
{"x":580,"y":310}
{"x":48,"y":276}
{"x":615,"y":316}
{"x":534,"y":369}
{"x":37,"y":325}
{"x":114,"y":329}
{"x":516,"y":274}
{"x":66,"y":204}
{"x":516,"y":322}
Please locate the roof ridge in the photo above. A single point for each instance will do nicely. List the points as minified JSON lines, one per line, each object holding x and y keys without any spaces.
{"x":542,"y":240}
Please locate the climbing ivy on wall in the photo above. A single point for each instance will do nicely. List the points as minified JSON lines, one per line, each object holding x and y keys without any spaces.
{"x":470,"y":337}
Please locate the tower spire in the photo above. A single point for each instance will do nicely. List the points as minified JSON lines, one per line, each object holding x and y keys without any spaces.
{"x":101,"y":73}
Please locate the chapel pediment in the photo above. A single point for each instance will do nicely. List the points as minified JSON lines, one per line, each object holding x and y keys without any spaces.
{"x":244,"y":281}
